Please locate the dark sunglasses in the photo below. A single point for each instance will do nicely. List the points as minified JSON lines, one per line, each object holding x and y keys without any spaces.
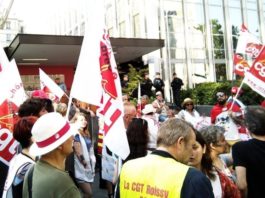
{"x":188,"y":104}
{"x":219,"y":95}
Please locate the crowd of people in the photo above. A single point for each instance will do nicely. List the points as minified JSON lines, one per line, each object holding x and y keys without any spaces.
{"x":173,"y":152}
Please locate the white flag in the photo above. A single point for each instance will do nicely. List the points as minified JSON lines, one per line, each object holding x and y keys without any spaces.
{"x":17,"y":92}
{"x":248,"y":43}
{"x":4,"y":63}
{"x":47,"y":82}
{"x":97,"y":82}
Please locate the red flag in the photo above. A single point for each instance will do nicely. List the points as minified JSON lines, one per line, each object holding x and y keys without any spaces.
{"x":240,"y":65}
{"x":255,"y":78}
{"x":97,"y":82}
{"x":7,"y":142}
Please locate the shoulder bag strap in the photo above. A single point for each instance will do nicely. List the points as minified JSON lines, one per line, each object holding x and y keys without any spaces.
{"x":30,"y":178}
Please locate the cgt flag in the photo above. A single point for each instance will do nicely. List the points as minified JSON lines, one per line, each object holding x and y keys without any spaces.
{"x":240,"y":65}
{"x":248,"y":43}
{"x":97,"y":82}
{"x":255,"y":78}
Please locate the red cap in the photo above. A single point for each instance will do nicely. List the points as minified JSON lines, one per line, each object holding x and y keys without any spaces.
{"x":235,"y":89}
{"x":39,"y":94}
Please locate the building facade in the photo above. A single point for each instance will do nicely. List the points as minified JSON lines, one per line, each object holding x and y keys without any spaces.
{"x":200,"y":35}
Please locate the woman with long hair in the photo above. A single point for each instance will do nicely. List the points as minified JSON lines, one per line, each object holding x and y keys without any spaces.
{"x":84,"y":157}
{"x":202,"y":159}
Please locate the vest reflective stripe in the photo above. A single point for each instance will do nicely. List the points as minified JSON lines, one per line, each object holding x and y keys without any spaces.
{"x":152,"y":176}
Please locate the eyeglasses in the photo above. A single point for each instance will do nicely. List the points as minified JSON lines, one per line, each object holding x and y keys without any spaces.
{"x":220,"y":94}
{"x":188,"y":104}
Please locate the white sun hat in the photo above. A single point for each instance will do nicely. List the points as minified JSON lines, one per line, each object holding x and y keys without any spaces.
{"x":49,"y":132}
{"x":148,"y":109}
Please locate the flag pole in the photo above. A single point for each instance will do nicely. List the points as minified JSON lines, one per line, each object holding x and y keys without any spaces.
{"x":237,"y":93}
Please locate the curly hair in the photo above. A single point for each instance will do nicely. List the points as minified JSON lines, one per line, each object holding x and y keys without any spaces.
{"x":137,"y":135}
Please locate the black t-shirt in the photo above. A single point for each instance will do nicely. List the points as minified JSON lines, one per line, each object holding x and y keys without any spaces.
{"x":158,"y":84}
{"x":176,"y":84}
{"x":251,"y":155}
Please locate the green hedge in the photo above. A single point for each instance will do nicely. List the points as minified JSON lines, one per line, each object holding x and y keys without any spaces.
{"x":204,"y":93}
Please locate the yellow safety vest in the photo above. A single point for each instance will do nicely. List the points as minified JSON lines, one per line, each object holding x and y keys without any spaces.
{"x":152,"y":176}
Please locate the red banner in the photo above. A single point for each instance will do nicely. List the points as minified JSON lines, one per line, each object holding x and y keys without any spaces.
{"x":7,"y":143}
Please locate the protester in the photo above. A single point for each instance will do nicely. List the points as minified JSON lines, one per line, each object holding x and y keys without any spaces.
{"x":219,"y":107}
{"x":153,"y":125}
{"x":125,"y":98}
{"x":146,"y":86}
{"x":22,"y":161}
{"x":176,"y":85}
{"x":53,"y":142}
{"x":163,"y":172}
{"x":82,"y":162}
{"x":158,"y":83}
{"x":201,"y":159}
{"x":236,"y":101}
{"x":41,"y":95}
{"x":62,"y":109}
{"x":160,"y":105}
{"x":61,"y":84}
{"x":171,"y":113}
{"x":112,"y":160}
{"x":249,"y":156}
{"x":215,"y":139}
{"x":32,"y":107}
{"x":188,"y":113}
{"x":144,"y":101}
{"x":137,"y":135}
{"x":125,"y":81}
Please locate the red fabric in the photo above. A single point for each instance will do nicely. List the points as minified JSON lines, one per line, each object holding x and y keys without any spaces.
{"x":216,"y":110}
{"x":229,"y":188}
{"x":263,"y":103}
{"x":55,"y":137}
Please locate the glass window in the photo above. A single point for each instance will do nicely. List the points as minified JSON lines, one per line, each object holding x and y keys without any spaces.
{"x":220,"y":70}
{"x":136,"y":26}
{"x":122,"y":29}
{"x":252,"y":18}
{"x":8,"y":25}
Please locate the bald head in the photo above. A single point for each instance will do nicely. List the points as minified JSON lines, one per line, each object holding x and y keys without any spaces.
{"x":129,"y":113}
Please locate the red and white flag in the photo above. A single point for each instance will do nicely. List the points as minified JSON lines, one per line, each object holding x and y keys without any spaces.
{"x":12,"y":95}
{"x":248,"y":43}
{"x":255,"y":78}
{"x":97,"y":82}
{"x":48,"y":85}
{"x":240,"y":65}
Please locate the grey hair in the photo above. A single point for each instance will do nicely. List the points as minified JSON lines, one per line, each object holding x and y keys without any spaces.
{"x":212,"y":134}
{"x":171,"y":130}
{"x":145,"y":97}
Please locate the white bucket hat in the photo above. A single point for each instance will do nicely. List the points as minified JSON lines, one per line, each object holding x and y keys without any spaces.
{"x":148,"y":109}
{"x":49,"y":132}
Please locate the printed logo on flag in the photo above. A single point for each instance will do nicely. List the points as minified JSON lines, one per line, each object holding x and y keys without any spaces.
{"x":108,"y":76}
{"x":7,"y":142}
{"x":253,"y":49}
{"x":241,"y":65}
